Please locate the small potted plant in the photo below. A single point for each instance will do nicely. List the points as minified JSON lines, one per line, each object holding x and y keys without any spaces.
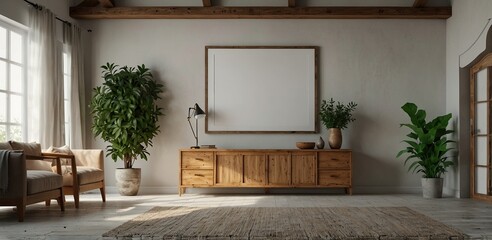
{"x":427,"y":146}
{"x":336,"y":117}
{"x":125,"y":114}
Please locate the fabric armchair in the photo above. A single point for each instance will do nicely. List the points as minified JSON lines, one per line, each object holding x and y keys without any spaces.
{"x":84,"y":171}
{"x":27,"y":187}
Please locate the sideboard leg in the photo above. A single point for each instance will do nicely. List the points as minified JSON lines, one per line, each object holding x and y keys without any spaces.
{"x":348,"y":190}
{"x":181,"y":191}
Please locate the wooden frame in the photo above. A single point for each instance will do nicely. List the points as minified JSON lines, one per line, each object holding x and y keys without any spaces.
{"x":484,"y":63}
{"x":264,"y":117}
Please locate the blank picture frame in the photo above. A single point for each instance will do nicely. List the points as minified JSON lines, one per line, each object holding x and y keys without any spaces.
{"x":261,"y":89}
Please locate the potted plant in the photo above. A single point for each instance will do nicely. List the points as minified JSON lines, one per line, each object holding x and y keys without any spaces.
{"x":427,"y":148}
{"x":125,"y":114}
{"x":336,"y":117}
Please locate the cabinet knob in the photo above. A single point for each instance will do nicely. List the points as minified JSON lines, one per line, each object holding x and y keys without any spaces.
{"x":199,"y":175}
{"x":199,"y":159}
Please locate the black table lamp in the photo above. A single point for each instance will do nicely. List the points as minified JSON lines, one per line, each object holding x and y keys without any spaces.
{"x":197,"y":113}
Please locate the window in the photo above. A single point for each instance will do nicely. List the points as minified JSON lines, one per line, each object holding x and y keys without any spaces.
{"x":67,"y":78}
{"x":13,"y":42}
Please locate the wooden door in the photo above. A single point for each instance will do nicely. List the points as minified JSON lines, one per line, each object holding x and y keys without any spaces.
{"x":304,"y":168}
{"x":480,"y":139}
{"x":254,"y":169}
{"x":229,"y":169}
{"x":279,"y":169}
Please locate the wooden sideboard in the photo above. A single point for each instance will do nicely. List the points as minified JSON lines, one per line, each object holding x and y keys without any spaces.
{"x":265,"y":168}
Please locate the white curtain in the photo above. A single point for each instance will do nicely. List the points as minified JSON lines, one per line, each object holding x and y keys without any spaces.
{"x":72,"y":36}
{"x":45,"y":81}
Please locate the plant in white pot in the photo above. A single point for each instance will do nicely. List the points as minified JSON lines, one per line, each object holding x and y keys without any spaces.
{"x":125,"y":114}
{"x":427,"y":146}
{"x":336,"y":117}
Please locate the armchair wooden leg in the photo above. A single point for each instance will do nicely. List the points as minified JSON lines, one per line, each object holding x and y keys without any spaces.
{"x":61,"y":200}
{"x":47,"y":203}
{"x":76,"y":199}
{"x":21,"y":211}
{"x":103,"y":194}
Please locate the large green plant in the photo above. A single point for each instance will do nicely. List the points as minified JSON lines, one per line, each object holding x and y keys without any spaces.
{"x":427,"y":143}
{"x":336,"y":115}
{"x":125,"y":113}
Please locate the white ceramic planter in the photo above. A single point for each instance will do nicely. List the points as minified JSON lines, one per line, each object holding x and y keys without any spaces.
{"x":128,"y":181}
{"x":432,"y":187}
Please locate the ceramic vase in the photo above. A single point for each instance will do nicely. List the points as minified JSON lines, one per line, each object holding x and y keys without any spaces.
{"x":335,"y":138}
{"x":128,"y":181}
{"x":320,"y":144}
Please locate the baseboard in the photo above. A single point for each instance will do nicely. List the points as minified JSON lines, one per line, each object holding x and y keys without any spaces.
{"x":386,"y":190}
{"x":356,"y":190}
{"x":147,"y":190}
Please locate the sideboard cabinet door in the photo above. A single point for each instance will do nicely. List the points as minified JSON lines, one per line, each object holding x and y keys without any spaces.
{"x":303,"y":169}
{"x":229,"y":169}
{"x":279,"y":169}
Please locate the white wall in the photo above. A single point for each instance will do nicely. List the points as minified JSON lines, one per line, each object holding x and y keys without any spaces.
{"x":462,"y":29}
{"x":18,"y":10}
{"x":380,"y":64}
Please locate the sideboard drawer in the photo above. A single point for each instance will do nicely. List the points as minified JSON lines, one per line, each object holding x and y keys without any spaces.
{"x":197,"y":160}
{"x":334,"y":178}
{"x":334,"y":160}
{"x":197,"y":177}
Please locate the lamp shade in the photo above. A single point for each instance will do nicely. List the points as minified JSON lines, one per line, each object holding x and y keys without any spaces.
{"x":199,"y":113}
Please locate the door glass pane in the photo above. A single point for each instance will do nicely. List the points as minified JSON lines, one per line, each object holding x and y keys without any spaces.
{"x":16,"y":133}
{"x":481,"y":180}
{"x":15,"y":78}
{"x":3,"y":133}
{"x":3,"y":42}
{"x":3,"y":75}
{"x":481,"y":85}
{"x":3,"y":107}
{"x":481,"y":151}
{"x":16,"y":47}
{"x":15,"y":109}
{"x":481,"y":116}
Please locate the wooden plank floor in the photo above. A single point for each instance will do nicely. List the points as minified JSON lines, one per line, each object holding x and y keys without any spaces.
{"x":472,"y":217}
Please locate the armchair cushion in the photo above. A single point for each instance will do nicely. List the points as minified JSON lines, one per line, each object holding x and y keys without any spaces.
{"x":40,"y":181}
{"x":5,"y":146}
{"x":32,"y":149}
{"x":85,"y":175}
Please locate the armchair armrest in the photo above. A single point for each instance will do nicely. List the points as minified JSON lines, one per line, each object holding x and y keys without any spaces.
{"x":73,"y":163}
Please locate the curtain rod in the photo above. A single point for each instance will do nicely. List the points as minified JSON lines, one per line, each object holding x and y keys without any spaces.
{"x":39,"y":7}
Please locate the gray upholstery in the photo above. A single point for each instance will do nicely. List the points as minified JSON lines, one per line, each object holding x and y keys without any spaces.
{"x":17,"y":176}
{"x":30,"y":186}
{"x":5,"y":146}
{"x":41,"y":181}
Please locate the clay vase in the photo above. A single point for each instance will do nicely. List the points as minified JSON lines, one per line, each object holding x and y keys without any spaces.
{"x":128,"y":181}
{"x":320,"y":144}
{"x":335,"y":138}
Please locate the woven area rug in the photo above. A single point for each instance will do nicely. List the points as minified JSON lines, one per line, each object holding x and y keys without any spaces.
{"x":283,"y":223}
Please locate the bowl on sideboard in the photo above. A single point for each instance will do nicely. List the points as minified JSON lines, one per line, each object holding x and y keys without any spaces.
{"x":305,"y":145}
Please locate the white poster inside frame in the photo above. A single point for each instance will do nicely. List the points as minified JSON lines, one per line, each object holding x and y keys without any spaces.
{"x":261,"y":89}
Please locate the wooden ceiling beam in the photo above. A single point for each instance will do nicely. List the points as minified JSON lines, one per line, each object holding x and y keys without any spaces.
{"x":292,"y":3}
{"x":207,"y":3}
{"x":260,"y":13}
{"x":419,"y":3}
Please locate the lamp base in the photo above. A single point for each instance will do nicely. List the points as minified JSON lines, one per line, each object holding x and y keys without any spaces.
{"x":195,"y":147}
